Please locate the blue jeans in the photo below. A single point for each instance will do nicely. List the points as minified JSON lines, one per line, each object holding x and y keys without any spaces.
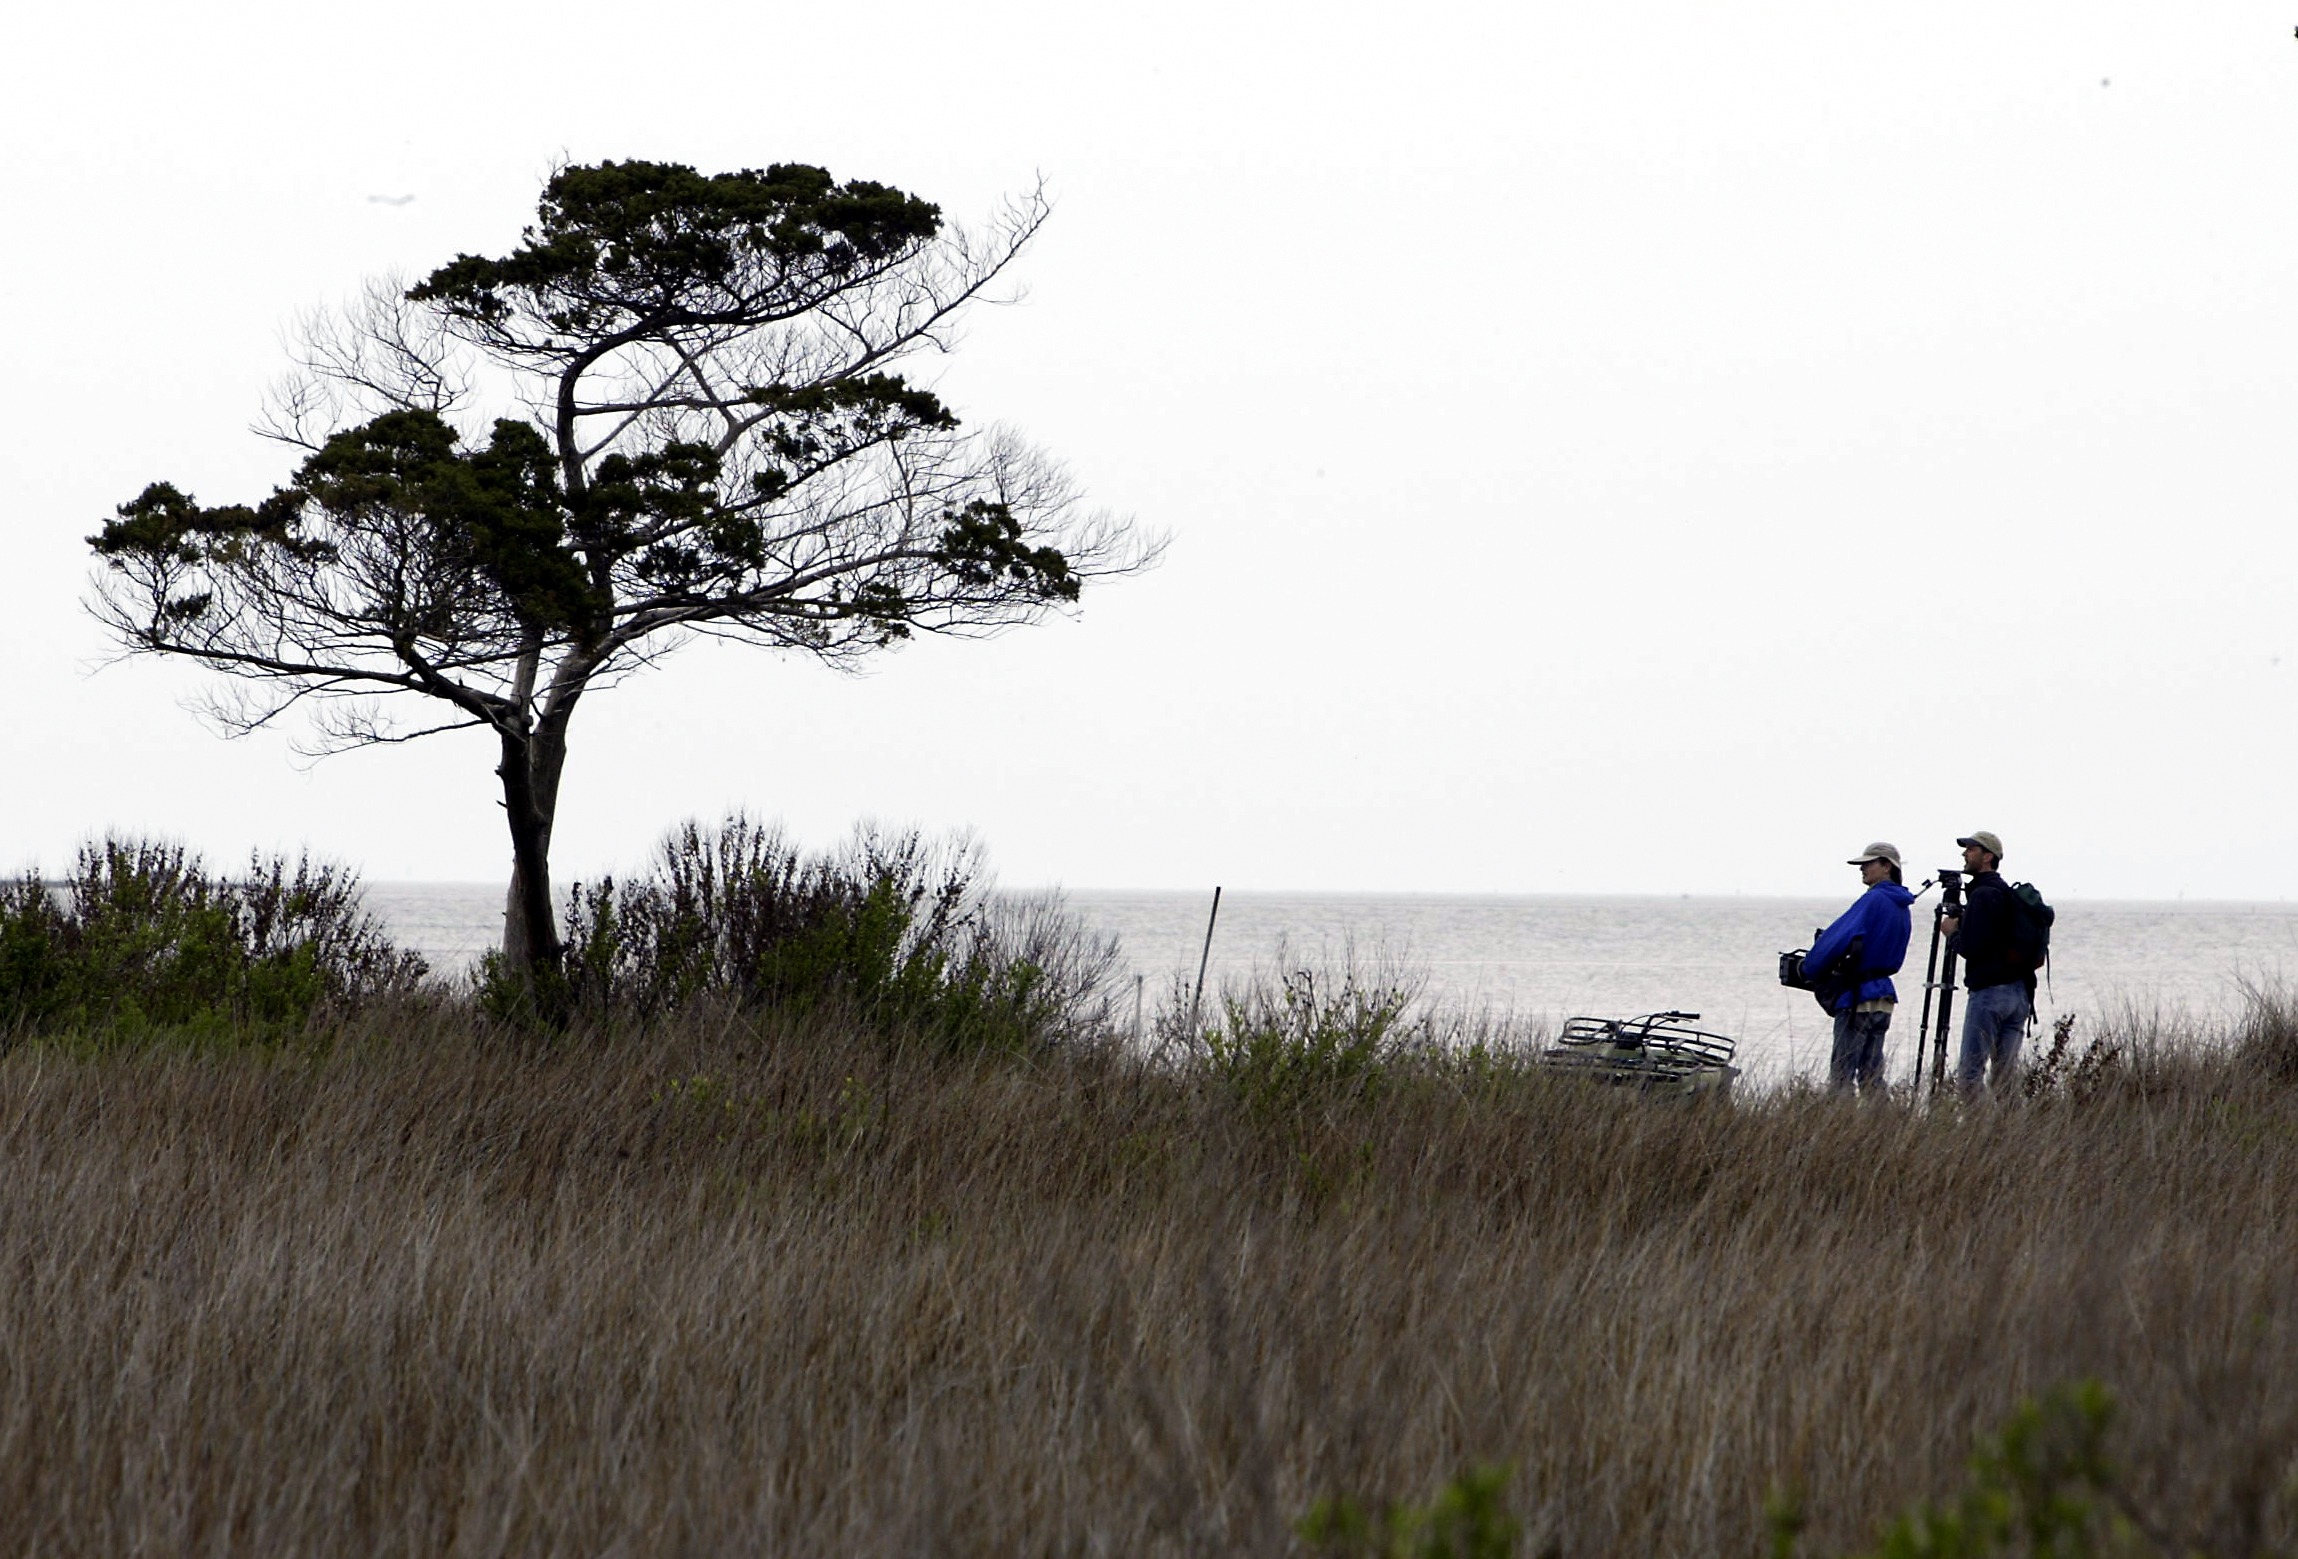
{"x":1858,"y":1055}
{"x":1994,"y":1025}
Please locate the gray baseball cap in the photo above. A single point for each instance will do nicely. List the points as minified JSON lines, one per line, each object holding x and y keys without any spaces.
{"x":1991,"y":843}
{"x":1878,"y":851}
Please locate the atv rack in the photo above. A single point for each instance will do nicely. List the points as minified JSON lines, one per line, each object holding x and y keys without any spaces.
{"x":1659,"y":1052}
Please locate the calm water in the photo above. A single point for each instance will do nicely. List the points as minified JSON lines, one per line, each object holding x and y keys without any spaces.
{"x":1549,"y":958}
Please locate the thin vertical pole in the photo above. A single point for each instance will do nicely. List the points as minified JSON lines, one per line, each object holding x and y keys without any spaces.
{"x":1197,"y":1000}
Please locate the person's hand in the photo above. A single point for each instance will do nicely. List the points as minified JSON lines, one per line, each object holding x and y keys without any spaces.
{"x":1950,"y":923}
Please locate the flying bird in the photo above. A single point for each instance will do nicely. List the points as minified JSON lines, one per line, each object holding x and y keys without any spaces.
{"x":389,"y":200}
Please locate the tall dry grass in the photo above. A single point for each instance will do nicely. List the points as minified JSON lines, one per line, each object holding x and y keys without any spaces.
{"x":732,"y":1287}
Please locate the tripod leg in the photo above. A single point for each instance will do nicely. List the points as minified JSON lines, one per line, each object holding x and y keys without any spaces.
{"x":1923,"y":1026}
{"x":1946,"y":1016}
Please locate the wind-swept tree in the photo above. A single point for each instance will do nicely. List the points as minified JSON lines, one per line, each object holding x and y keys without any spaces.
{"x":701,"y":433}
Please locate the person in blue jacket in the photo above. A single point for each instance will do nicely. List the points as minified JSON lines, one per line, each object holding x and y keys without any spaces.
{"x":1877,"y":922}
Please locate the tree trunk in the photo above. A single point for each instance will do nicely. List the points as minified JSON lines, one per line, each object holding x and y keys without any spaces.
{"x":530,"y":772}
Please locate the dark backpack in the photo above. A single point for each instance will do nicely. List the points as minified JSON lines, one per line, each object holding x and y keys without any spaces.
{"x":2030,"y":926}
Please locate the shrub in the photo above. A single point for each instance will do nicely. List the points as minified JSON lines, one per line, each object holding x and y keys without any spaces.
{"x":2042,"y":1486}
{"x":2267,"y":1040}
{"x":1309,"y":1035}
{"x":141,"y":934}
{"x":2062,"y":1072}
{"x":901,"y":932}
{"x":1466,"y":1520}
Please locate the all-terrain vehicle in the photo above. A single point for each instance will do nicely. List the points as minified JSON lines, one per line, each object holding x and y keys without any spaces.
{"x":1659,"y":1052}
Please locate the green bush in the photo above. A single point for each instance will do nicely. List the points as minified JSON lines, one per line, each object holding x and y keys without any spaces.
{"x":1310,"y":1037}
{"x":1466,"y":1520}
{"x":141,"y":935}
{"x":901,"y":933}
{"x":2042,"y":1487}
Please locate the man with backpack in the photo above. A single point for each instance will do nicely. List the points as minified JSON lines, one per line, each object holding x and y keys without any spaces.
{"x":2003,"y":937}
{"x":1851,"y":965}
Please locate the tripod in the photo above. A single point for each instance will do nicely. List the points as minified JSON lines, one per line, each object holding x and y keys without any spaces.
{"x":1939,"y":975}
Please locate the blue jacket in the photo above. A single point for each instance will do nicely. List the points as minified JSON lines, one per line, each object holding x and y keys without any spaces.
{"x":1880,"y":915}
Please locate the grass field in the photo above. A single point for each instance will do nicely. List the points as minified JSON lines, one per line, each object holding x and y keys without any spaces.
{"x":730,"y":1287}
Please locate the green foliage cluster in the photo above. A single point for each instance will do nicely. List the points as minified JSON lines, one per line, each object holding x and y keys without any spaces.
{"x":509,"y":536}
{"x":1466,"y":1520}
{"x":2043,"y":1487}
{"x":141,"y":936}
{"x":892,"y":929}
{"x":620,"y":242}
{"x":1310,"y":1039}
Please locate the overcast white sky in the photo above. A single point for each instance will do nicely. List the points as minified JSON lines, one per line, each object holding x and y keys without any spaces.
{"x":1637,"y":448}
